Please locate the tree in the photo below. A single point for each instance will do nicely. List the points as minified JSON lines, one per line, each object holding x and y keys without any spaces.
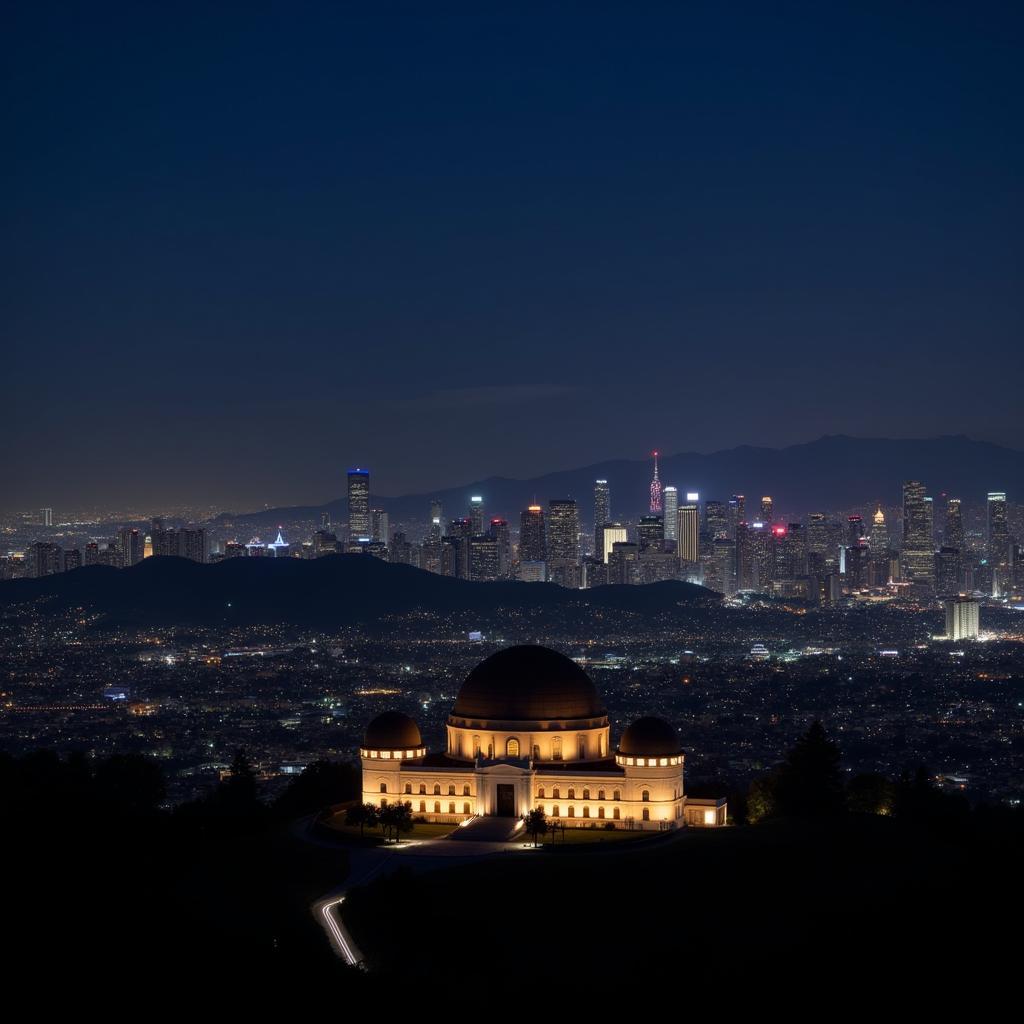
{"x":870,"y":793}
{"x":761,"y":799}
{"x":809,"y":783}
{"x":396,"y":819}
{"x":536,"y":824}
{"x":363,"y":815}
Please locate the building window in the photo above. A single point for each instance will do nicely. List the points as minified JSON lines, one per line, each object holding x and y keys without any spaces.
{"x":476,"y":746}
{"x":451,"y":807}
{"x":437,"y":806}
{"x":617,"y":795}
{"x":383,"y":787}
{"x":615,"y":813}
{"x":423,"y":805}
{"x":408,"y":787}
{"x":583,"y":749}
{"x":512,"y":747}
{"x":540,"y":793}
{"x":536,"y":752}
{"x":556,"y":748}
{"x":423,"y":789}
{"x":600,"y":812}
{"x":586,"y":794}
{"x":490,"y":751}
{"x":437,"y":789}
{"x":556,"y":792}
{"x":465,"y":790}
{"x":600,"y":794}
{"x":383,"y":801}
{"x":451,"y":791}
{"x":586,"y":812}
{"x":647,"y":814}
{"x":645,"y":795}
{"x":554,"y":811}
{"x":600,"y":746}
{"x":572,"y":812}
{"x":572,"y":793}
{"x":465,"y":809}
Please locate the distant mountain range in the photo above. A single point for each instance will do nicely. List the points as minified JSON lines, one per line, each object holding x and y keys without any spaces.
{"x":331,"y":592}
{"x":832,"y":473}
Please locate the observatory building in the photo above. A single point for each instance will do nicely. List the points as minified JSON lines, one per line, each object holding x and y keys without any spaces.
{"x":528,"y":730}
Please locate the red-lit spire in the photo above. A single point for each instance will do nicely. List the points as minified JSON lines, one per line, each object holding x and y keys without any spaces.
{"x":655,"y":489}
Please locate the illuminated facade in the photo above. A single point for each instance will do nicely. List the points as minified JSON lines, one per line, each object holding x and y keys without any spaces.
{"x":528,"y":730}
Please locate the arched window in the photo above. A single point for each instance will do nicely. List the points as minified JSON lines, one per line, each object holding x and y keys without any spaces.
{"x":600,"y":745}
{"x":556,"y":792}
{"x":437,"y":789}
{"x":586,"y":794}
{"x":540,"y":793}
{"x":645,"y":795}
{"x":615,"y":813}
{"x":451,"y":791}
{"x":408,"y":787}
{"x":556,"y":748}
{"x":476,"y":746}
{"x":536,"y":752}
{"x":586,"y":812}
{"x":572,"y":812}
{"x":572,"y":793}
{"x":512,"y":747}
{"x":423,"y":789}
{"x":437,"y":806}
{"x":583,"y":749}
{"x":600,"y":812}
{"x":554,"y":811}
{"x":617,"y":795}
{"x":647,"y":814}
{"x":423,"y":805}
{"x":383,"y":787}
{"x":600,"y":794}
{"x":451,"y":807}
{"x":465,"y":809}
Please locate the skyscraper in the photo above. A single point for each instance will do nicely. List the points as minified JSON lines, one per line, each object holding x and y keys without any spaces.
{"x":602,"y":513}
{"x":46,"y":516}
{"x":918,"y":555}
{"x":612,"y":534}
{"x":563,"y":531}
{"x":721,"y":569}
{"x":954,"y":532}
{"x":476,"y":513}
{"x":962,"y":619}
{"x":359,"y":504}
{"x":688,"y":534}
{"x":766,"y":509}
{"x":737,"y":513}
{"x":656,"y":506}
{"x":998,"y":531}
{"x":532,"y":546}
{"x":498,"y":529}
{"x":132,"y":545}
{"x":879,"y":537}
{"x":671,"y":501}
{"x":380,"y":526}
{"x":650,"y":532}
{"x":716,"y":523}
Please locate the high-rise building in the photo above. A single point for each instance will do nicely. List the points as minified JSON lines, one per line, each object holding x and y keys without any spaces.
{"x":380,"y":526}
{"x":72,"y":559}
{"x":483,"y":557}
{"x":359,"y":504}
{"x":563,"y":531}
{"x":962,"y":619}
{"x":532,"y":542}
{"x":746,"y":558}
{"x":44,"y":559}
{"x":998,"y":530}
{"x":716,"y":523}
{"x":854,"y":530}
{"x":737,"y":513}
{"x":766,"y":509}
{"x":624,"y":563}
{"x":612,"y":534}
{"x":132,"y":544}
{"x":878,"y":540}
{"x":656,"y":505}
{"x":670,"y":498}
{"x":917,"y":560}
{"x":499,"y":530}
{"x":192,"y":544}
{"x":953,"y":536}
{"x":720,"y":573}
{"x":650,"y":532}
{"x":947,"y":571}
{"x":476,"y":513}
{"x":602,"y":513}
{"x":46,"y":516}
{"x":688,"y":534}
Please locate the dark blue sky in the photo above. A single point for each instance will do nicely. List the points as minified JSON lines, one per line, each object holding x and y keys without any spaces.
{"x":248,"y":246}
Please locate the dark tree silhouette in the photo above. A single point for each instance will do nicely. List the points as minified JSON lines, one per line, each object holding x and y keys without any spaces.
{"x":130,"y":782}
{"x":870,"y":793}
{"x":396,"y":819}
{"x":809,"y":783}
{"x":322,"y":783}
{"x":363,"y":815}
{"x":536,"y":824}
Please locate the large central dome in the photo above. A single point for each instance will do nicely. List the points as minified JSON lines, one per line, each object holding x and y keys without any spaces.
{"x":527,"y":683}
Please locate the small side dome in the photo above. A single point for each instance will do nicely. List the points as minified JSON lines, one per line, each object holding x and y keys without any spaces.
{"x":649,"y":737}
{"x":392,"y":731}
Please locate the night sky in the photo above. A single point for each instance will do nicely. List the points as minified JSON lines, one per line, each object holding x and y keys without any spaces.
{"x":247,"y":247}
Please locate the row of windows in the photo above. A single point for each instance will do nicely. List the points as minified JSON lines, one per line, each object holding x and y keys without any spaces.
{"x":513,"y":748}
{"x":423,"y":789}
{"x":556,"y":793}
{"x":397,"y":755}
{"x":571,"y":813}
{"x":437,"y":807}
{"x":647,"y":762}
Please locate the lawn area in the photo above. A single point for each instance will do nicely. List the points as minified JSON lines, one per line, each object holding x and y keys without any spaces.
{"x":580,"y":836}
{"x":428,"y":830}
